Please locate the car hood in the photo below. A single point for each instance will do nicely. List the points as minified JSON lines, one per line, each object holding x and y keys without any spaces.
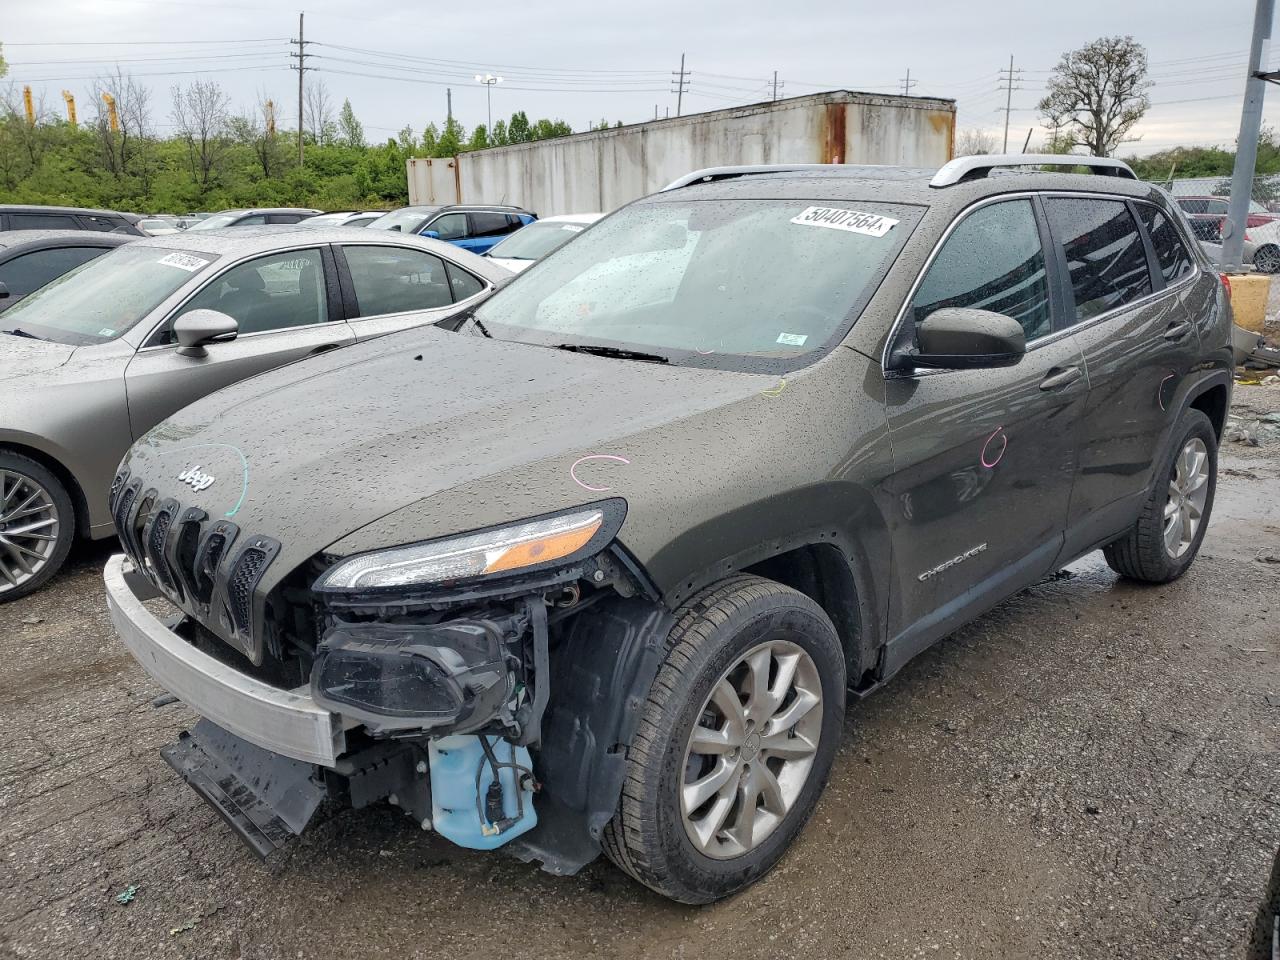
{"x":312,"y":452}
{"x":20,"y":356}
{"x":515,"y":266}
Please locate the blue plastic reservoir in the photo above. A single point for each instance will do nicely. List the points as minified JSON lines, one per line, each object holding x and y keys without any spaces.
{"x":455,"y":814}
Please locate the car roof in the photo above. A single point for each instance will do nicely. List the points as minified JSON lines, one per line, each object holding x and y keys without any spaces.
{"x":44,"y":208}
{"x":572,"y":218}
{"x":463,"y":207}
{"x":255,"y":210}
{"x":11,"y":240}
{"x":265,"y":238}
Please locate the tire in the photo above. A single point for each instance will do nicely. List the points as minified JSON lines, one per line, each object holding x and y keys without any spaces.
{"x":1267,"y":258}
{"x":34,"y":505}
{"x":1144,"y":553}
{"x":651,"y":836}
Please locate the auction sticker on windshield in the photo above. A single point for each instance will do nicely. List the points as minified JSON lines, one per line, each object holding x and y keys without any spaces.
{"x":851,"y":221}
{"x":183,"y":261}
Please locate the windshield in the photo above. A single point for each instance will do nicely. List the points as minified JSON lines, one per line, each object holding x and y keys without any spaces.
{"x":217,"y":220}
{"x":759,"y":285}
{"x":409,"y":219}
{"x":536,"y":240}
{"x":103,"y":298}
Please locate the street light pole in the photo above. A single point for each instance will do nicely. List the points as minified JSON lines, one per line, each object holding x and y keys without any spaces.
{"x":488,"y":80}
{"x":1247,"y":142}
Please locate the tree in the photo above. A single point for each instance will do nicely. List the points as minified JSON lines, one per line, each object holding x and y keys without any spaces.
{"x":499,"y":137}
{"x":4,"y":67}
{"x":479,"y":138}
{"x":972,"y":142}
{"x":126,"y":150}
{"x":451,"y":140}
{"x":350,"y":130}
{"x":547,"y":129}
{"x":257,"y":131}
{"x":405,"y":140}
{"x":430,"y":140}
{"x":518,"y":129}
{"x":1097,"y":93}
{"x":200,"y":112}
{"x":318,"y":113}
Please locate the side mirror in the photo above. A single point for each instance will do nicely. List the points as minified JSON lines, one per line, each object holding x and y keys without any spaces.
{"x":4,"y":291}
{"x":960,"y":337}
{"x":433,"y":234}
{"x":193,"y":330}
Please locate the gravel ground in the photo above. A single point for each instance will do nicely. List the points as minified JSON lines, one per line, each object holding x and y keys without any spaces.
{"x":1090,"y":770}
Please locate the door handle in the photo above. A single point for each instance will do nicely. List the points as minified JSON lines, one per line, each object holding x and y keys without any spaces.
{"x":1177,"y":330}
{"x":1060,"y":377}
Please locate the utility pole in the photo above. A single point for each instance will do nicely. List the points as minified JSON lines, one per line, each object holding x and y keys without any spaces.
{"x":301,"y":56}
{"x":907,"y":83}
{"x":1007,"y":80}
{"x":448,"y":105}
{"x":1247,"y":143}
{"x":776,"y":84}
{"x":681,"y":83}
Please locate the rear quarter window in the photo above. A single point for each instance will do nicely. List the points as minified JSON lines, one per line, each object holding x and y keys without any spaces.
{"x":1171,"y":253}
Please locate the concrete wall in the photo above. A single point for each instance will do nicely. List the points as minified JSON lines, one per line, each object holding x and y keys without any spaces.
{"x":602,"y":170}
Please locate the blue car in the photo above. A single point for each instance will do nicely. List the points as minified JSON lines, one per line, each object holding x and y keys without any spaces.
{"x":474,"y":227}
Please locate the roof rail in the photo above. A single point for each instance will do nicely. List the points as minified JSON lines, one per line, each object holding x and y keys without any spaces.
{"x":745,"y":170}
{"x":972,"y":168}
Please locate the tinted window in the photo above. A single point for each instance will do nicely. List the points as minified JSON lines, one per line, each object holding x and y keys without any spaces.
{"x":270,"y":293}
{"x":393,"y":279}
{"x":464,"y":284}
{"x":452,"y":226}
{"x":281,"y":218}
{"x":1106,"y":260}
{"x":31,"y":271}
{"x":250,"y":221}
{"x":992,"y":261}
{"x":1171,"y":253}
{"x":489,"y":225}
{"x":42,"y":221}
{"x":104,"y":224}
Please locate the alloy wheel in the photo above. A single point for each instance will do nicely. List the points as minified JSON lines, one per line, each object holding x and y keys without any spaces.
{"x":1267,"y":259}
{"x":29,"y":525}
{"x":1188,"y":491}
{"x":750,"y":753}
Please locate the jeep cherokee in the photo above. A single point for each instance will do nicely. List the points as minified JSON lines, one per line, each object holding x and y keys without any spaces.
{"x":602,"y":569}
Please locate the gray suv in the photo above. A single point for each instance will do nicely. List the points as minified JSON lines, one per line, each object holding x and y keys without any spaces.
{"x":604,"y":574}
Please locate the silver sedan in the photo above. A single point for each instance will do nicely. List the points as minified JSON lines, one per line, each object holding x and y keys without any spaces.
{"x":94,"y":360}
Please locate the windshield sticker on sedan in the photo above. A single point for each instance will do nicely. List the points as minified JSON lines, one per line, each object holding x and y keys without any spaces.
{"x":184,"y":261}
{"x":571,"y":228}
{"x":851,"y":221}
{"x":107,"y":332}
{"x":793,"y":339}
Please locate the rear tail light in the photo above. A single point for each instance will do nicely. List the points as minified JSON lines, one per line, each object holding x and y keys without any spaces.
{"x":1226,"y":284}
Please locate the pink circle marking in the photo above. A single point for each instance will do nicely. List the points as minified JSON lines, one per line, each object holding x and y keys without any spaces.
{"x":1003,"y":447}
{"x":594,"y":456}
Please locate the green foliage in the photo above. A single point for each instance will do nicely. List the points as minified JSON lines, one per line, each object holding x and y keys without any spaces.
{"x":518,"y":130}
{"x":350,"y":130}
{"x":1097,"y":93}
{"x":499,"y":138}
{"x":1182,"y":162}
{"x":479,"y":138}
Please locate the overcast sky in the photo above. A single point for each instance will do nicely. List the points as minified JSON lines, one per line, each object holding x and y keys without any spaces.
{"x":583,"y":61}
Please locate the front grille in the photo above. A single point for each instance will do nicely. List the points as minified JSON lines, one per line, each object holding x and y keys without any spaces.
{"x":192,"y":560}
{"x":243,"y":579}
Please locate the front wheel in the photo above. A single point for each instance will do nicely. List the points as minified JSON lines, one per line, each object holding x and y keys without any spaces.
{"x":1167,"y":536}
{"x":37,"y":524}
{"x":734,"y":744}
{"x":1267,"y":259}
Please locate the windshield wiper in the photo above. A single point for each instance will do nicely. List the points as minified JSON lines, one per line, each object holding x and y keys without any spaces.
{"x":617,"y":353}
{"x":15,"y":332}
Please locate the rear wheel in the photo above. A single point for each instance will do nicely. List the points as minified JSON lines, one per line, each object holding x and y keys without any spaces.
{"x":734,"y":744}
{"x":1267,"y":259}
{"x":37,"y":524}
{"x":1167,"y":536}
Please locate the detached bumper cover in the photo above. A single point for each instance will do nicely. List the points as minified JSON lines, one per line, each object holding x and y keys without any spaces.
{"x":287,"y":722}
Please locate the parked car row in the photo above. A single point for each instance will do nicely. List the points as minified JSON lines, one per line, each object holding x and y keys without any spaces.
{"x":590,"y":559}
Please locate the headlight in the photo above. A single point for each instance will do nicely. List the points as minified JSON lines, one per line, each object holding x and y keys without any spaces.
{"x":501,"y":550}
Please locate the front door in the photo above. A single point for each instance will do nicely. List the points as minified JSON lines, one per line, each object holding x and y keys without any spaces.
{"x":282,"y":304}
{"x":983,"y":459}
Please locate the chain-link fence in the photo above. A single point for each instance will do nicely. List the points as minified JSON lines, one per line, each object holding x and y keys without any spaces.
{"x":1204,"y":200}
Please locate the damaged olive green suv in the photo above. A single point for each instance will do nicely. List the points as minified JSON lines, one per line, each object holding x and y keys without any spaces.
{"x":598,"y":565}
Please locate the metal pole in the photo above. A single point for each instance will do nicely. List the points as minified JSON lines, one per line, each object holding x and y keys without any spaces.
{"x":301,"y":54}
{"x":775,"y":84}
{"x":1008,"y":105}
{"x":680,"y":88}
{"x":488,"y":103}
{"x":1247,"y":142}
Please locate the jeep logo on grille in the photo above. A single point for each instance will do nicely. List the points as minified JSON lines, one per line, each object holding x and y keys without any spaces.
{"x":197,"y":480}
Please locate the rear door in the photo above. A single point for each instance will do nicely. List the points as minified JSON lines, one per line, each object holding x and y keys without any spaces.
{"x":388,"y":288}
{"x":984,"y":460}
{"x":288,"y":308}
{"x":1125,"y":305}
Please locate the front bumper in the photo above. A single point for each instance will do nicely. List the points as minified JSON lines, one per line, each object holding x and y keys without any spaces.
{"x":288,"y":722}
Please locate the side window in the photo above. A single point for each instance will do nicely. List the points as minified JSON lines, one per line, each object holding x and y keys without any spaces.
{"x":514,"y":222}
{"x":489,"y":225}
{"x":254,"y":220}
{"x":103,"y":224}
{"x":269,"y":293}
{"x":1175,"y":261}
{"x":452,"y":226}
{"x":284,"y":217}
{"x":992,"y":261}
{"x":1106,"y":260}
{"x":464,"y":284}
{"x":395,"y":279}
{"x":42,"y":221}
{"x":31,"y":271}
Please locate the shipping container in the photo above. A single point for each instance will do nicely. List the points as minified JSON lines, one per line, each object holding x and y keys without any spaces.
{"x":603,"y":169}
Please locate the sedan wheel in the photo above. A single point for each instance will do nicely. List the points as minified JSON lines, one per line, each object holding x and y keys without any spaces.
{"x":751,"y":752}
{"x":29,"y":526}
{"x":1267,"y":259}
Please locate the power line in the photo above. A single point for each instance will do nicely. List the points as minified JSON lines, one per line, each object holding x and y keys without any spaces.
{"x":445,"y":83}
{"x":135,"y":43}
